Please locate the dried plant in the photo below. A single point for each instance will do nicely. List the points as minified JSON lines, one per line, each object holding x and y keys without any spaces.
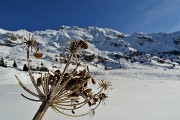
{"x":64,"y":91}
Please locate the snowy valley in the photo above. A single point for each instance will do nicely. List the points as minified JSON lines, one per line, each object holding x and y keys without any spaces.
{"x":143,"y":68}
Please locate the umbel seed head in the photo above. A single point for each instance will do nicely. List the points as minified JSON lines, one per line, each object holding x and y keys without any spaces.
{"x":38,"y":55}
{"x":65,"y":90}
{"x":83,"y":44}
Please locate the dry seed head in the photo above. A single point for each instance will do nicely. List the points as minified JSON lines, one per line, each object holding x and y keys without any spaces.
{"x":93,"y":81}
{"x":87,"y":90}
{"x":103,"y":97}
{"x":83,"y":44}
{"x":82,"y":73}
{"x":30,"y":42}
{"x":38,"y":55}
{"x":39,"y":83}
{"x":67,"y":90}
{"x":105,"y":85}
{"x":76,"y":44}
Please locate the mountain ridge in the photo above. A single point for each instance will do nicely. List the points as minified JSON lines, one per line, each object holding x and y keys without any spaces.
{"x":106,"y":46}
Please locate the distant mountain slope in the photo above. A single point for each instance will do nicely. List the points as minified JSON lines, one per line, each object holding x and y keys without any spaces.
{"x":156,"y":42}
{"x":106,"y":46}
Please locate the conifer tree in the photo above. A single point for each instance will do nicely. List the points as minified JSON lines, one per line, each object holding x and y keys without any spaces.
{"x":41,"y":64}
{"x":14,"y":64}
{"x":25,"y":68}
{"x":2,"y":63}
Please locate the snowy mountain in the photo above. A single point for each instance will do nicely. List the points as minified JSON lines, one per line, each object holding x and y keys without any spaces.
{"x":107,"y":47}
{"x":145,"y":78}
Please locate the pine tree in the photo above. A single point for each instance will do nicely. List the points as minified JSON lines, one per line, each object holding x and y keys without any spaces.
{"x":25,"y":68}
{"x":2,"y":63}
{"x":14,"y":64}
{"x":37,"y":68}
{"x":56,"y":60}
{"x":42,"y":64}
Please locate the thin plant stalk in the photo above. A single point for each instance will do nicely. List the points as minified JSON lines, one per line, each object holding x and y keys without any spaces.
{"x":41,"y":111}
{"x":64,"y":91}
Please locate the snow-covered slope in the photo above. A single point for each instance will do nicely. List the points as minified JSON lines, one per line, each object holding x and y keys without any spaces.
{"x":107,"y":47}
{"x":148,"y":90}
{"x":156,"y":42}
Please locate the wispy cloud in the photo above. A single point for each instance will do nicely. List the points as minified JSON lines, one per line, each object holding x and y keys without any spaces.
{"x":161,"y":15}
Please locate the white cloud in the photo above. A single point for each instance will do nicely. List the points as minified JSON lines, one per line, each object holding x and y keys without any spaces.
{"x":158,"y":16}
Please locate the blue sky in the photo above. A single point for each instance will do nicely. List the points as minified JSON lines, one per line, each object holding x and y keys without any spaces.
{"x":127,"y":16}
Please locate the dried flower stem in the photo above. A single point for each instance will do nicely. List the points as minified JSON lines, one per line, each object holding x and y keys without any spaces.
{"x":55,"y":91}
{"x":66,"y":90}
{"x":41,"y":111}
{"x":31,"y":76}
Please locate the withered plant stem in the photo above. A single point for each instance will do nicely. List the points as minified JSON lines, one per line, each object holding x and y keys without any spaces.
{"x":66,"y":90}
{"x":55,"y":90}
{"x":31,"y":76}
{"x":41,"y":111}
{"x":45,"y":105}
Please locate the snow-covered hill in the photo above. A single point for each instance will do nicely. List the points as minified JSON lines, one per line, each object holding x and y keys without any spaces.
{"x":148,"y":89}
{"x":107,"y":47}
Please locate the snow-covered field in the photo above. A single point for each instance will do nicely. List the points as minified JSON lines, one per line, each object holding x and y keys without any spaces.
{"x":138,"y":94}
{"x":147,"y":87}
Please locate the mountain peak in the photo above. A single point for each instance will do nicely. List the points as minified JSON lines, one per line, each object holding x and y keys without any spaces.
{"x":109,"y":45}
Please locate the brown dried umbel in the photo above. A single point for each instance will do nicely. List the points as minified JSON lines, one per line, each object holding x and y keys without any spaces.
{"x":65,"y":91}
{"x":30,"y":42}
{"x":38,"y":55}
